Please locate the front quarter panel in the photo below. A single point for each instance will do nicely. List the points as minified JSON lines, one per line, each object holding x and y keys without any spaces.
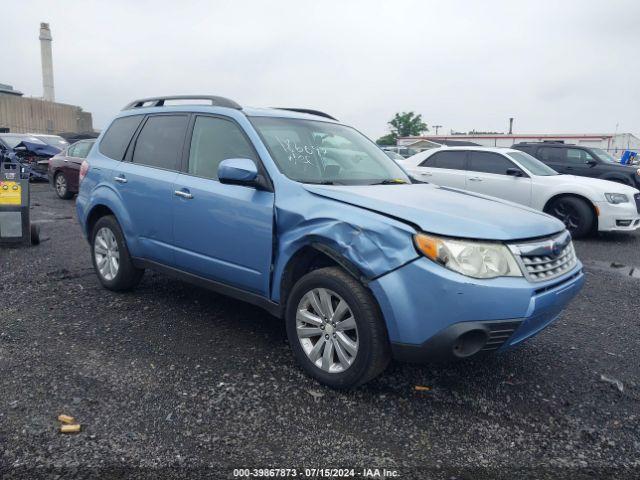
{"x":373,"y":243}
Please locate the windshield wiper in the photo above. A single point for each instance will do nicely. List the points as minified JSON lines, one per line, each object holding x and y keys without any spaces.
{"x":390,"y":181}
{"x":323,"y":182}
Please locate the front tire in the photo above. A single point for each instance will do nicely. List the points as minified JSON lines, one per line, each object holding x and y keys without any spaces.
{"x":111,"y":258}
{"x":61,"y":186}
{"x":575,"y":213}
{"x":335,"y":329}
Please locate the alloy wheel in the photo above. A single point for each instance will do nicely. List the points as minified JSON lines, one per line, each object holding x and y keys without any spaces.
{"x":61,"y":185}
{"x":107,"y":254}
{"x":327,"y":330}
{"x":568,"y":215}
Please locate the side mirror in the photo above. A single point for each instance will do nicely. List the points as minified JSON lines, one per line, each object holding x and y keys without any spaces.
{"x":238,"y":171}
{"x":592,"y":163}
{"x":515,"y":172}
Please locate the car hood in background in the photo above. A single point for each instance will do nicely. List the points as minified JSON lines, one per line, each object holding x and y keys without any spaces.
{"x":446,"y":211}
{"x":39,"y":149}
{"x":599,"y":185}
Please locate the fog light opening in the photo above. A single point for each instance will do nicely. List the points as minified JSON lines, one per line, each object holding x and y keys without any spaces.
{"x":469,"y":343}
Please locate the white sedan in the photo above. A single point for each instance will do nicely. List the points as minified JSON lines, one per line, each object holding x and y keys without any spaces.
{"x":583,"y":204}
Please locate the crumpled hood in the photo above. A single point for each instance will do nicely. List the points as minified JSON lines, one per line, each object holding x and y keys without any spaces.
{"x":39,"y":149}
{"x":446,"y":211}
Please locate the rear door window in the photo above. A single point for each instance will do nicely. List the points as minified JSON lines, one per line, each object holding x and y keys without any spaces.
{"x":160,"y":141}
{"x":552,"y":154}
{"x":116,"y":140}
{"x":454,"y":160}
{"x":489,"y":162}
{"x":215,"y":139}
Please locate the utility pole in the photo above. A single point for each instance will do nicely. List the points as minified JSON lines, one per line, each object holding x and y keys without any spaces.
{"x":510,"y":125}
{"x":436,"y":127}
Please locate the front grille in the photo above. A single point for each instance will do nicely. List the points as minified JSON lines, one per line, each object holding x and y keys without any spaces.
{"x":499,"y":332}
{"x":546,"y":259}
{"x":547,"y":267}
{"x":637,"y":197}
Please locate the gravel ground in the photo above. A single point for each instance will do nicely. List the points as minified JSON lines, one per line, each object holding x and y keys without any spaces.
{"x":173,"y":381}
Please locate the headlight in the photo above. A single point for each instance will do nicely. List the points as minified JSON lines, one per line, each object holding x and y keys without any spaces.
{"x":470,"y":258}
{"x":616,"y":198}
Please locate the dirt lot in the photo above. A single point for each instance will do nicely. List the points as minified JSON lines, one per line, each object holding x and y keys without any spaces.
{"x":172,"y":380}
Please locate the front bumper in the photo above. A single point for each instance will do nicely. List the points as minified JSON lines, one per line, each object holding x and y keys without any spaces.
{"x":620,"y":217}
{"x":429,"y":309}
{"x":35,"y":171}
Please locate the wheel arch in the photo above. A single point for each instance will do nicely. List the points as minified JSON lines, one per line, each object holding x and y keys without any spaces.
{"x":308,"y":258}
{"x":96,"y":213}
{"x":104,"y":200}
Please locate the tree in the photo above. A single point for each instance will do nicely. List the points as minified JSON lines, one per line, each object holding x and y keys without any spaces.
{"x":408,"y":124}
{"x":389,"y":139}
{"x":405,"y":124}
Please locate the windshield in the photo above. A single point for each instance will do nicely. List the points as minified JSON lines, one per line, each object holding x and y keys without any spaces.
{"x":535,"y":166}
{"x":321,"y":152}
{"x":13,"y":140}
{"x":54,"y":141}
{"x":604,"y":155}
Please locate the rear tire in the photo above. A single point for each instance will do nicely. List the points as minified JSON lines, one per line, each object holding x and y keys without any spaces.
{"x":575,"y":213}
{"x":111,"y":258}
{"x":61,"y":186}
{"x":357,"y":352}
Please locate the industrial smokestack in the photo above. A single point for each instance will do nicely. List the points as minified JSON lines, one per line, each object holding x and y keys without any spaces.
{"x":47,"y":63}
{"x":510,"y":125}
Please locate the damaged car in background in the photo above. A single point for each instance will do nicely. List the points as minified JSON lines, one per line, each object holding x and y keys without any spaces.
{"x":29,"y":151}
{"x":297,"y":213}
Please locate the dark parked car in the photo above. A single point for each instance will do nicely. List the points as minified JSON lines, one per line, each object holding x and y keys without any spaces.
{"x":28,"y":151}
{"x":64,"y":168}
{"x":582,"y":161}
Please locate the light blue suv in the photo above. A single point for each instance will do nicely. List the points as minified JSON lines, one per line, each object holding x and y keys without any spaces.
{"x":295,"y":212}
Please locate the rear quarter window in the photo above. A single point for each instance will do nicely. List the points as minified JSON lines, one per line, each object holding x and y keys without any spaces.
{"x":116,"y":140}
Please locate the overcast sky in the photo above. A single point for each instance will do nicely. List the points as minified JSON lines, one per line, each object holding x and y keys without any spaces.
{"x":556,"y":66}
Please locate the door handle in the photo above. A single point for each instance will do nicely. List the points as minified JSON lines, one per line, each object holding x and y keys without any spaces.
{"x":475,"y":179}
{"x":183,"y":194}
{"x":426,"y":174}
{"x":120,"y":179}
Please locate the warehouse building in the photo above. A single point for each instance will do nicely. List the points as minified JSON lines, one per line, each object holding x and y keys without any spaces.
{"x":22,"y":114}
{"x":614,"y":143}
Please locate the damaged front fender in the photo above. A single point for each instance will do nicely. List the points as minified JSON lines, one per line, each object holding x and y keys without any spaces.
{"x":371,"y":242}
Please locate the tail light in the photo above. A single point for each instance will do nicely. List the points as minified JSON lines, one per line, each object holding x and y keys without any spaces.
{"x":84,"y":169}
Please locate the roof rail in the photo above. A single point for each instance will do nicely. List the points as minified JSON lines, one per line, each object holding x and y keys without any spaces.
{"x":159,"y":101}
{"x":309,"y":111}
